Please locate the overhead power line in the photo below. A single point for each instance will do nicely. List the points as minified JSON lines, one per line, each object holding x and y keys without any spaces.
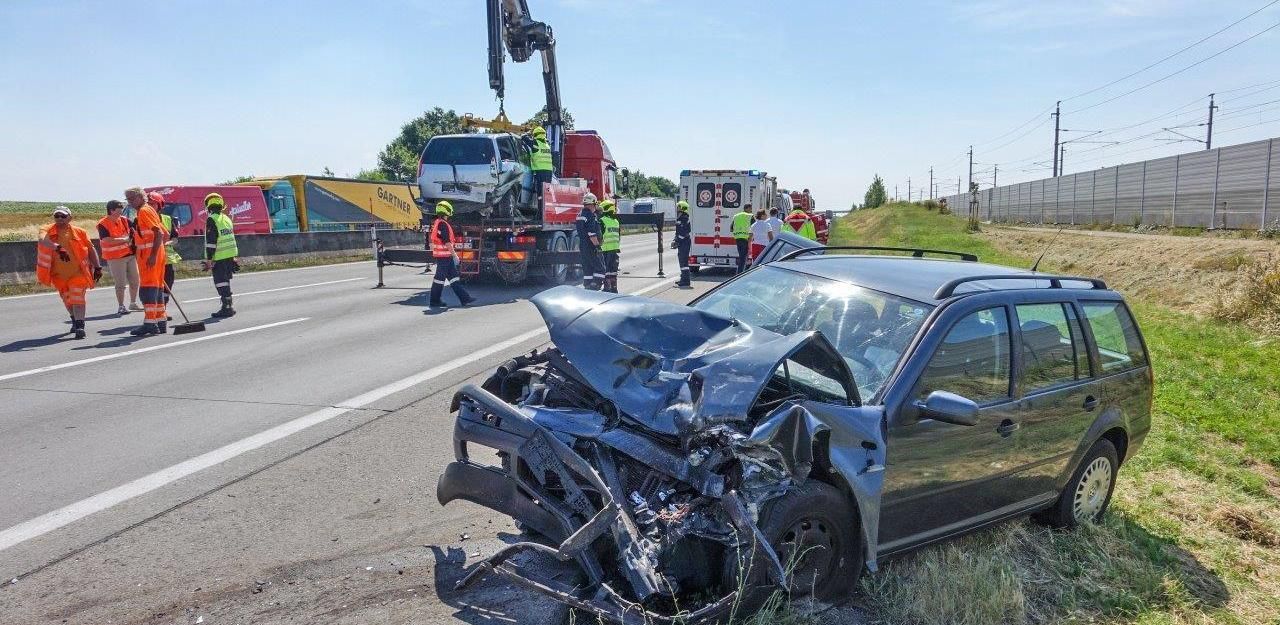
{"x":1202,"y":40}
{"x":1175,"y":73}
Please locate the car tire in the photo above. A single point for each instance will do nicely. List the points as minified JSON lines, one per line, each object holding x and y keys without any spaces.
{"x":1088,"y":492}
{"x":817,"y":520}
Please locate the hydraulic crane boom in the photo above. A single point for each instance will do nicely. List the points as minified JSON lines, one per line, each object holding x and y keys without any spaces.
{"x":511,"y":27}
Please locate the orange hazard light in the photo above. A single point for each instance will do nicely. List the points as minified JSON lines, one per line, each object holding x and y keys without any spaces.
{"x":512,"y":255}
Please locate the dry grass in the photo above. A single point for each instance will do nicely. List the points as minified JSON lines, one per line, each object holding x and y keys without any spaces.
{"x":1256,"y":299}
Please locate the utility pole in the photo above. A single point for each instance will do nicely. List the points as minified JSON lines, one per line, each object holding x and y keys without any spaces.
{"x":1057,"y":125}
{"x":895,"y":193}
{"x":908,"y":188}
{"x":971,"y":167}
{"x":1062,"y":159}
{"x":1208,"y":140}
{"x":995,"y":176}
{"x":931,"y":183}
{"x":957,"y":185}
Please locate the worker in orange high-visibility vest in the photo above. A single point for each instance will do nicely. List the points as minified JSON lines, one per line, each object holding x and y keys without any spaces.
{"x":798,"y":222}
{"x":149,"y":238}
{"x":116,"y":242}
{"x":66,"y":261}
{"x":446,"y":258}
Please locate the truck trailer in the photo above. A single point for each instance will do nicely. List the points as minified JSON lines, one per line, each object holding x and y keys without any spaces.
{"x":298,"y":203}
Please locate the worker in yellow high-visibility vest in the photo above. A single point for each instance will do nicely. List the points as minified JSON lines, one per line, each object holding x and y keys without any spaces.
{"x":742,"y":235}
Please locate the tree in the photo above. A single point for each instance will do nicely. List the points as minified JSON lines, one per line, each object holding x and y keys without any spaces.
{"x":875,"y":193}
{"x":375,"y":175}
{"x":634,"y":184}
{"x":540,"y":118}
{"x":399,"y":160}
{"x":328,"y":172}
{"x":236,"y":180}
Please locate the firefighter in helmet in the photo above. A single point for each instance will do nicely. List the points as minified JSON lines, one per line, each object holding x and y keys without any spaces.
{"x":588,"y":225}
{"x":683,"y":241}
{"x":610,"y":244}
{"x":446,"y":258}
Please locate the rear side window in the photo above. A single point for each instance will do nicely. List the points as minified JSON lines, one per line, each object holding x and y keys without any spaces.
{"x":706,"y":195}
{"x":506,"y":149}
{"x":1053,"y":347}
{"x":1116,"y":334}
{"x":459,"y":151}
{"x":973,"y":360}
{"x":731,"y":195}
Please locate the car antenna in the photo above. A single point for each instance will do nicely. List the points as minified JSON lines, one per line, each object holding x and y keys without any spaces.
{"x":1046,"y":249}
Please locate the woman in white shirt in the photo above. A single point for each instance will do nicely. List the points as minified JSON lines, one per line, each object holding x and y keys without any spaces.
{"x":761,"y":234}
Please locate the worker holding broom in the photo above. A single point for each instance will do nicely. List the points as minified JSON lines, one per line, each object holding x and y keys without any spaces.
{"x":171,"y":257}
{"x":68,"y":262}
{"x":220,"y":251}
{"x":610,"y":244}
{"x":148,"y":239}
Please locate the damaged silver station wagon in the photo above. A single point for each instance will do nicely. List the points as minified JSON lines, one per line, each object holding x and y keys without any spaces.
{"x":797,"y":424}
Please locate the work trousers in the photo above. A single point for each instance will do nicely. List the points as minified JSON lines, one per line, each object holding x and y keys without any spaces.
{"x":168,"y":281}
{"x":611,"y":262}
{"x":682,"y":250}
{"x":222,"y":272}
{"x":743,"y":252}
{"x":447,"y":275}
{"x":592,"y":267}
{"x":124,"y":272}
{"x":152,"y":291}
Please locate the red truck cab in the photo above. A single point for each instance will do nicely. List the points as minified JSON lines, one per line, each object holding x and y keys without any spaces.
{"x":587,"y":156}
{"x":246,"y":206}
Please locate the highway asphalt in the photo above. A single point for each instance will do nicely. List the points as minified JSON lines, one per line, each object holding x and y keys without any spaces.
{"x":279,"y":467}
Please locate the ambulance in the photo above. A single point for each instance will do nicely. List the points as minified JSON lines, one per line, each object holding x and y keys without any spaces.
{"x":714,"y":197}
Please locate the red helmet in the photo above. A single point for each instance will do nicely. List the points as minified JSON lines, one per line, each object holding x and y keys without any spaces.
{"x":156,"y":200}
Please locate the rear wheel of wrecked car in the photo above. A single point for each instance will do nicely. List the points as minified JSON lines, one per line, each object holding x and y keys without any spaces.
{"x":1086,"y":496}
{"x":814,"y":531}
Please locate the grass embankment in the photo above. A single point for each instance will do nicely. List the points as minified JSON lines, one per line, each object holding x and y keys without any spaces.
{"x":21,"y":221}
{"x":1194,"y":530}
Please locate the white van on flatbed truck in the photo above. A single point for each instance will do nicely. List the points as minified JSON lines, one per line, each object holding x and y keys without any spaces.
{"x":714,"y":197}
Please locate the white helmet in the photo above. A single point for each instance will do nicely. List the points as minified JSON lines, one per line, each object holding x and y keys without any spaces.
{"x":589,"y":199}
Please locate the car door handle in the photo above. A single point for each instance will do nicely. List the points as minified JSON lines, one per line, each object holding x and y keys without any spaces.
{"x":1007,"y":428}
{"x":1090,"y":403}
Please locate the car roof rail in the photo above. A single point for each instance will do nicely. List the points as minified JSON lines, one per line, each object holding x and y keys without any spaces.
{"x":948,"y":288}
{"x":916,"y":252}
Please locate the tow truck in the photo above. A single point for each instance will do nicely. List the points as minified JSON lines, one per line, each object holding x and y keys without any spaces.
{"x":506,"y":225}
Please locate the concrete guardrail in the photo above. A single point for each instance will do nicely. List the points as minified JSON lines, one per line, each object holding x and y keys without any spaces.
{"x":18,"y":258}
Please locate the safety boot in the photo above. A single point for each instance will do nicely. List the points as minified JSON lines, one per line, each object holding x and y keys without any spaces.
{"x":226,"y":310}
{"x":163,"y":326}
{"x":146,"y":329}
{"x":77,"y":327}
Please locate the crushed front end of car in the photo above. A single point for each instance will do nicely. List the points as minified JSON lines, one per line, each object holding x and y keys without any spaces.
{"x":644,"y":446}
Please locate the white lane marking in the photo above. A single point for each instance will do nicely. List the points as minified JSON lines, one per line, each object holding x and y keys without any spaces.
{"x":143,"y":350}
{"x":51,"y":521}
{"x":283,"y":288}
{"x":247,"y":274}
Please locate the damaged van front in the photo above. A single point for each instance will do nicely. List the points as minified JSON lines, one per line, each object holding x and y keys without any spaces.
{"x":688,"y":462}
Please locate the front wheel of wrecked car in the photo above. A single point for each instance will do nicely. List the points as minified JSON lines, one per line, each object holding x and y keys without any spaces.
{"x":815,"y":533}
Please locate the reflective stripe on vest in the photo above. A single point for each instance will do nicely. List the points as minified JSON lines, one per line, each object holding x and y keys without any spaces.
{"x":611,"y":241}
{"x":171,"y":256}
{"x":540,"y":160}
{"x":116,"y":229}
{"x":439,"y":247}
{"x":742,"y":225}
{"x":226,"y":237}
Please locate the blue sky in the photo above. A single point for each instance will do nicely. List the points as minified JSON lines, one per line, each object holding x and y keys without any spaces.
{"x":99,"y":96}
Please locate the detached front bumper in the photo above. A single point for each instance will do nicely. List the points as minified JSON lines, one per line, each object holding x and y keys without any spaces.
{"x":548,"y":486}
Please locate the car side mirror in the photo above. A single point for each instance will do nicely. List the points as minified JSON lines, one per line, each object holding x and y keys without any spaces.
{"x":948,"y":408}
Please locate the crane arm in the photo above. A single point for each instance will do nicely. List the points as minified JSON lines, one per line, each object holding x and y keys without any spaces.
{"x":511,"y":27}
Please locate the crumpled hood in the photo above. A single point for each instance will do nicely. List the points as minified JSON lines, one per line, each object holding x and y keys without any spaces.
{"x":640,"y":353}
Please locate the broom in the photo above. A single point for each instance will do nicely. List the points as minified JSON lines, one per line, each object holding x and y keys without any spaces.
{"x":189,"y":326}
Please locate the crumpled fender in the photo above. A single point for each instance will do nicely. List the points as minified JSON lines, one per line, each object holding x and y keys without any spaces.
{"x":855,"y":446}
